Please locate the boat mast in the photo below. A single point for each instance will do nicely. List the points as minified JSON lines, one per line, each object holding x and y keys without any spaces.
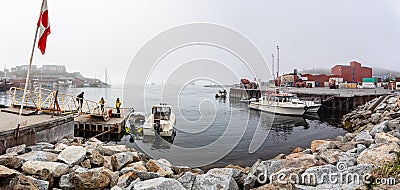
{"x":277,"y":61}
{"x":273,"y":67}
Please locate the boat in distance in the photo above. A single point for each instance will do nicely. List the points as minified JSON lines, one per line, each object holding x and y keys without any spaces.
{"x":161,"y":121}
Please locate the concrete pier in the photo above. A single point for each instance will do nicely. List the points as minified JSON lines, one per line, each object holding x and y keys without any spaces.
{"x":340,"y":100}
{"x":240,"y":93}
{"x":34,"y":128}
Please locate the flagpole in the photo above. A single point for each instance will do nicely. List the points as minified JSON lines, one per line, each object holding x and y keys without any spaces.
{"x":28,"y":74}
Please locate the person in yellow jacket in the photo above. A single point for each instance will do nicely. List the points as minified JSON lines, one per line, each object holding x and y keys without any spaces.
{"x":118,"y":105}
{"x":102,"y":102}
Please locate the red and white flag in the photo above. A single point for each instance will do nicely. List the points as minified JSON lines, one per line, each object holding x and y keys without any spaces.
{"x":44,"y":25}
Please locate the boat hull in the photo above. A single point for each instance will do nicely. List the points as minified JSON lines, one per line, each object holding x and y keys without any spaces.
{"x":294,"y":111}
{"x":312,"y":107}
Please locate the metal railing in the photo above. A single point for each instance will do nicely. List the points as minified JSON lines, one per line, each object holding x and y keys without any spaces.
{"x":46,"y":100}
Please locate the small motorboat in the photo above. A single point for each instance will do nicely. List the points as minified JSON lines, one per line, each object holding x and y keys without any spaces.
{"x":280,"y":103}
{"x":161,"y":121}
{"x":221,"y":94}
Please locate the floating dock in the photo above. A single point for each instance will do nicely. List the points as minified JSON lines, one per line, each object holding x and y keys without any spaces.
{"x":88,"y":126}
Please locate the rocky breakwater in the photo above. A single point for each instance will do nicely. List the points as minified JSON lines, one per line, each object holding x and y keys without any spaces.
{"x":360,"y":159}
{"x":73,"y":164}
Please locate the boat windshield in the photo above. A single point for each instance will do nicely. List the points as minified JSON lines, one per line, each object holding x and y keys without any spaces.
{"x":165,"y":110}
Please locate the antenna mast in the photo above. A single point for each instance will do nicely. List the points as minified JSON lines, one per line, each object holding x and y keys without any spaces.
{"x":273,"y":67}
{"x":277,"y":61}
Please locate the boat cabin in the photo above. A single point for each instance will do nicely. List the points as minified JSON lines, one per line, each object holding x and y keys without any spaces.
{"x":161,"y":112}
{"x":284,"y":97}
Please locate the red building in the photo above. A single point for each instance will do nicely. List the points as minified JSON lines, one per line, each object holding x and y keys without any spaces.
{"x":352,"y":73}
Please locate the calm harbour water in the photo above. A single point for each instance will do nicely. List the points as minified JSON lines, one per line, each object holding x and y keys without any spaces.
{"x":201,"y":120}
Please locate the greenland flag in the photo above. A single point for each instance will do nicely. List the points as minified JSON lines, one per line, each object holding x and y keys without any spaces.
{"x":44,"y":25}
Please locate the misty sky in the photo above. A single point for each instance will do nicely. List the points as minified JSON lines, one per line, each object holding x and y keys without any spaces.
{"x":89,"y":35}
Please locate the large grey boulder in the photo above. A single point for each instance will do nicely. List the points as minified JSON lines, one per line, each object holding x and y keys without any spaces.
{"x":10,"y":160}
{"x":72,"y":155}
{"x":261,"y":169}
{"x":126,"y":179}
{"x":7,"y":172}
{"x":95,"y":178}
{"x":218,"y":178}
{"x":347,"y":158}
{"x":316,"y":175}
{"x":393,"y":125}
{"x":95,"y":157}
{"x":375,"y":117}
{"x":40,"y":146}
{"x":161,"y":166}
{"x":383,"y":137}
{"x":40,"y":184}
{"x":20,"y":149}
{"x":187,"y":180}
{"x":34,"y":167}
{"x":119,"y":160}
{"x":364,"y":137}
{"x":139,"y":166}
{"x":38,"y":156}
{"x":109,"y":150}
{"x":379,"y":155}
{"x":160,"y":183}
{"x":330,"y":155}
{"x":143,"y":175}
{"x":66,"y":182}
{"x":381,"y":127}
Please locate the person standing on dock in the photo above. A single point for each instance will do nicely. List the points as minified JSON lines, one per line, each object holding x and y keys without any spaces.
{"x":79,"y":98}
{"x":102,"y":102}
{"x":118,"y":105}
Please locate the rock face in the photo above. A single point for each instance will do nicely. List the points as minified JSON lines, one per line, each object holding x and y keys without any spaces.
{"x":379,"y":155}
{"x":35,"y":167}
{"x":158,"y":184}
{"x":72,"y":155}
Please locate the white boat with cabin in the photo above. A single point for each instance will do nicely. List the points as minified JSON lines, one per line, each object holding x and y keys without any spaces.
{"x":280,"y":103}
{"x":161,"y":121}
